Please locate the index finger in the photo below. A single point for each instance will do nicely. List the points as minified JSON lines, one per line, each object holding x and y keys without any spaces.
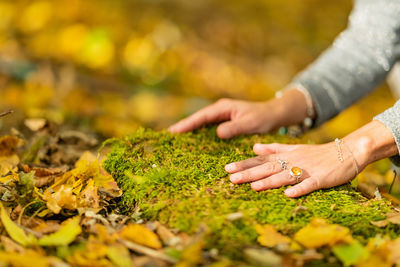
{"x":212,"y":113}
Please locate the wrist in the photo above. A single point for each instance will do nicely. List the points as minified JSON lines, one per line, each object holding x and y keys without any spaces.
{"x":292,"y":107}
{"x":372,"y":142}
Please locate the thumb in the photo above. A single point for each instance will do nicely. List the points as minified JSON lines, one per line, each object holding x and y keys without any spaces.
{"x":230,"y":129}
{"x":274,"y":148}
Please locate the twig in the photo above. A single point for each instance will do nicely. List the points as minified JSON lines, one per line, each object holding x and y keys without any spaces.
{"x":5,"y":113}
{"x":148,"y":251}
{"x":394,"y":179}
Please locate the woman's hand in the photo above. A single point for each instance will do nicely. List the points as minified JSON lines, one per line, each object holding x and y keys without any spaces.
{"x":244,"y":117}
{"x":320,"y":163}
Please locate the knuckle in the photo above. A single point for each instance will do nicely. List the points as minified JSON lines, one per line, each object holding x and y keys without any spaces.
{"x":260,"y":159}
{"x":291,"y":179}
{"x":271,"y":168}
{"x":314,"y":183}
{"x":246,"y":173}
{"x":223,"y":101}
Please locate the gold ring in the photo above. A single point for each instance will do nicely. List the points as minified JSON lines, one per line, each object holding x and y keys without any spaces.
{"x":296,"y":172}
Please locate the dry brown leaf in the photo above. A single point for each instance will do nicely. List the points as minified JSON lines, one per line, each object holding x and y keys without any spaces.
{"x":166,"y":235}
{"x":46,"y":227}
{"x":393,"y":217}
{"x":35,"y":124}
{"x":8,"y":144}
{"x":11,"y":246}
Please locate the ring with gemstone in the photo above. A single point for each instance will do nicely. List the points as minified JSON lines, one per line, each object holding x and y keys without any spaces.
{"x":296,"y":172}
{"x":283,"y":163}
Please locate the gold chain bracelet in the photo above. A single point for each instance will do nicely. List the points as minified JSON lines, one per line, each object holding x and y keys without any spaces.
{"x":338,"y":143}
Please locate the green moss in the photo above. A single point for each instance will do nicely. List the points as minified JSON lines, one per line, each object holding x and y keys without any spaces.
{"x":180,"y":180}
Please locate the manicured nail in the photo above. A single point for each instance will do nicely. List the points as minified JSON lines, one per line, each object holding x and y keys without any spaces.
{"x":290,"y":192}
{"x":235,"y":177}
{"x":230,"y":167}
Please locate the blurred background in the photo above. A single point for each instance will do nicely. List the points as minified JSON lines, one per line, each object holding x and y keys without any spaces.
{"x":109,"y":67}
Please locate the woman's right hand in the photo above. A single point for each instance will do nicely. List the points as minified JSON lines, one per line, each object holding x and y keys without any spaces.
{"x":245,"y":117}
{"x":237,"y":117}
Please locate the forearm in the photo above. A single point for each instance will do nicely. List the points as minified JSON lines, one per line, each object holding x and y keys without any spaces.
{"x":372,"y":142}
{"x":358,"y":61}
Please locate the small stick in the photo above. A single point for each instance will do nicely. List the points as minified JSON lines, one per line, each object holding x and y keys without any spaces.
{"x":5,"y":113}
{"x":148,"y":251}
{"x":394,"y":179}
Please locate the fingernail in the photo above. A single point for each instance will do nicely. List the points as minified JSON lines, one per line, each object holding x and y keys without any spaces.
{"x":235,"y":177}
{"x":256,"y":145}
{"x":256,"y":185}
{"x":230,"y":167}
{"x":290,"y":192}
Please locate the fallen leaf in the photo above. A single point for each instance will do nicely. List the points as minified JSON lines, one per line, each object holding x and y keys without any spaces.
{"x":14,"y":231}
{"x":350,"y":254}
{"x":62,"y":198}
{"x":11,"y":246}
{"x":8,"y":164}
{"x":393,"y":251}
{"x":89,"y":196}
{"x":141,"y":235}
{"x":166,"y":235}
{"x":262,"y":257}
{"x":67,"y":234}
{"x":46,"y":227}
{"x":270,"y":237}
{"x":93,"y":254}
{"x":35,"y":124}
{"x":26,"y":259}
{"x":8,"y":144}
{"x":119,"y":256}
{"x":391,"y":218}
{"x":319,"y":233}
{"x":192,"y":255}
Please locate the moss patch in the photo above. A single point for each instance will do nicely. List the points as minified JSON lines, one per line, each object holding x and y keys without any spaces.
{"x":180,"y":181}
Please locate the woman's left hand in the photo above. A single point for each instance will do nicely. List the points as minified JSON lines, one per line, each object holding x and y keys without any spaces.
{"x":320,"y":165}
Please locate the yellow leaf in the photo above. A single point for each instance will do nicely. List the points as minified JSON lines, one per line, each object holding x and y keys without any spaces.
{"x":192,"y":255}
{"x":89,"y":197}
{"x":269,"y":237}
{"x":12,"y":177}
{"x":119,"y":255}
{"x":14,"y":231}
{"x":25,"y":259}
{"x":94,"y":254}
{"x":141,"y":235}
{"x":8,"y":163}
{"x":67,"y":233}
{"x":319,"y":233}
{"x":62,"y":198}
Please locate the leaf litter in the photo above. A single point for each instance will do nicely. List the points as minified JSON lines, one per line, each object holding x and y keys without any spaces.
{"x":66,"y":212}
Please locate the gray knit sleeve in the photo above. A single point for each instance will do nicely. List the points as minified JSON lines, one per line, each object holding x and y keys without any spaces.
{"x":359,"y":59}
{"x":391,"y":119}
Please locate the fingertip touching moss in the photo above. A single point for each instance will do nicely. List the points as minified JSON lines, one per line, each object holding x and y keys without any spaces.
{"x":179,"y":180}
